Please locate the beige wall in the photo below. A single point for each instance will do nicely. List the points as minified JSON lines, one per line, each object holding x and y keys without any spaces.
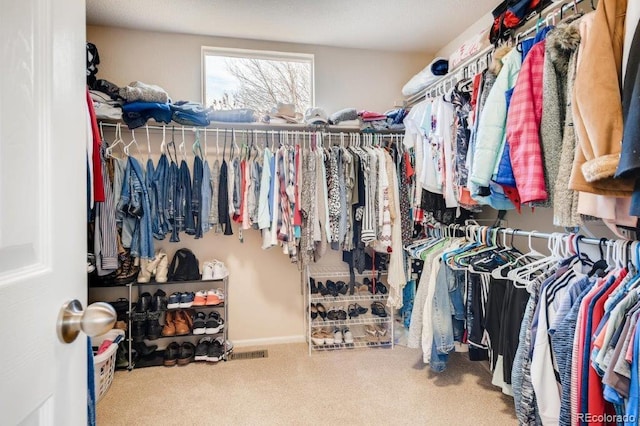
{"x":266,"y":303}
{"x":363,"y":79}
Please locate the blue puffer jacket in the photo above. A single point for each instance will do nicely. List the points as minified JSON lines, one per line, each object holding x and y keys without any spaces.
{"x":505,"y":176}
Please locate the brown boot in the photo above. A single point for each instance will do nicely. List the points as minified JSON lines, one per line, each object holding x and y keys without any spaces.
{"x":169,"y":328}
{"x":183,"y":322}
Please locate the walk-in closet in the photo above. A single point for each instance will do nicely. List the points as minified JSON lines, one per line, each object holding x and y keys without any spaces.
{"x":286,"y":213}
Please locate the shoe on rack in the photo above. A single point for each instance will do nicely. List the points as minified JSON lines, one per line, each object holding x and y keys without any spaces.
{"x":216,"y":350}
{"x":337,"y":336}
{"x":126,"y":272}
{"x":317,"y":336}
{"x":183,"y":322}
{"x":342,"y":287}
{"x":322,"y":289}
{"x":332,"y":314}
{"x":219,"y":270}
{"x":162,"y":268}
{"x":169,"y":328}
{"x":370,"y":285}
{"x":143,"y":349}
{"x":215,"y":296}
{"x":186,"y":353}
{"x":174,"y":300}
{"x":144,"y":302}
{"x":328,"y":336}
{"x":207,"y":271}
{"x":362,"y":289}
{"x":138,"y":326}
{"x":378,"y":309}
{"x":199,"y":323}
{"x":171,"y":354}
{"x":371,"y":334}
{"x":313,"y":311}
{"x":341,"y":314}
{"x":352,"y":311}
{"x":154,"y":329}
{"x":361,"y":310}
{"x":159,"y":301}
{"x":200,"y":298}
{"x":144,"y":276}
{"x":313,"y":288}
{"x":202,"y":349}
{"x":383,"y":336}
{"x":322,"y":311}
{"x":332,"y":288}
{"x":381,"y":288}
{"x":347,"y":335}
{"x":186,"y":299}
{"x":214,"y":324}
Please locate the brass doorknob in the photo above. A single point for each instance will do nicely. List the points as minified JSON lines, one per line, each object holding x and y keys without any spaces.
{"x":97,"y":319}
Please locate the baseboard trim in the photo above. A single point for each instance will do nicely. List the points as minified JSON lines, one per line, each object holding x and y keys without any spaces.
{"x":266,"y":341}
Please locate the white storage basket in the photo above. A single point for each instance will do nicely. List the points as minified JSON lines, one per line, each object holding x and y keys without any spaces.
{"x":104,"y":364}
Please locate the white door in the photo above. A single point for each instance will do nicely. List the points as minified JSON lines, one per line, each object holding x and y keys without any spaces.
{"x":42,"y":209}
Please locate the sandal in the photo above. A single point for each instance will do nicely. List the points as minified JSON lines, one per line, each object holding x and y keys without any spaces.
{"x":186,"y":353}
{"x":361,"y":310}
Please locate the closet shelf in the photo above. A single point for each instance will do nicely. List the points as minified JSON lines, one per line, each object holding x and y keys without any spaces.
{"x":197,"y":307}
{"x":187,"y":335}
{"x":362,"y":319}
{"x":155,"y":283}
{"x":355,"y":298}
{"x":357,"y":343}
{"x":324,"y":272}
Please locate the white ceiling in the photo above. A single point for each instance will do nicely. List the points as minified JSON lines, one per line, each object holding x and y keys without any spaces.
{"x":395,"y":25}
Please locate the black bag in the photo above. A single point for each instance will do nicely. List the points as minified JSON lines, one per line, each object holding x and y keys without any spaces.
{"x":184,"y":266}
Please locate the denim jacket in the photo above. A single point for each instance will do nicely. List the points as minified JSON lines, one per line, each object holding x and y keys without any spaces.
{"x":134,"y":203}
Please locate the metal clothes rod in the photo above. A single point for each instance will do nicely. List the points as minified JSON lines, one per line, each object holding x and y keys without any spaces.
{"x":481,"y":59}
{"x":532,"y":234}
{"x":248,"y":128}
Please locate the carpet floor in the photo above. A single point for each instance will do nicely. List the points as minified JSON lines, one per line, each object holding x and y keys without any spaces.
{"x":289,"y":387}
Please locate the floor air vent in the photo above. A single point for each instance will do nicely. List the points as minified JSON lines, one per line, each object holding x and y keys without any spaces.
{"x":249,"y":355}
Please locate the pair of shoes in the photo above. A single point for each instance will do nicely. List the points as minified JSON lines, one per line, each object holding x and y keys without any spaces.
{"x":145,"y":325}
{"x":214,"y":270}
{"x":318,"y":309}
{"x":212,"y":297}
{"x":355,"y":309}
{"x":362,"y":289}
{"x":321,"y":336}
{"x":374,"y":286}
{"x":157,"y":267}
{"x":377,"y":334}
{"x":180,"y":354}
{"x":125,"y":274}
{"x":177,"y":323}
{"x":336,"y":288}
{"x":342,"y":335}
{"x":157,"y":302}
{"x":181,"y":300}
{"x":207,"y":325}
{"x":213,"y":350}
{"x":378,"y":309}
{"x":336,"y":314}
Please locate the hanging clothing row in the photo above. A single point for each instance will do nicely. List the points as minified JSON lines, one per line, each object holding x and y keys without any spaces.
{"x":511,"y":133}
{"x":560,"y":330}
{"x":305,"y":192}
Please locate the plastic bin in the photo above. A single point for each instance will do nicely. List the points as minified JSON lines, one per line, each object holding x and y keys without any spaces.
{"x":104,"y":364}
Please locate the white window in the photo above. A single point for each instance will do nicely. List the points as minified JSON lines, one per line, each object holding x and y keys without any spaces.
{"x":256,"y":79}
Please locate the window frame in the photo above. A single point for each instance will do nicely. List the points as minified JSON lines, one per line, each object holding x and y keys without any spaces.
{"x":272,"y":55}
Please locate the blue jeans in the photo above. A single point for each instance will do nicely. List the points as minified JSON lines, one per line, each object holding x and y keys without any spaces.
{"x":456,"y":296}
{"x":442,"y":319}
{"x":196,"y":196}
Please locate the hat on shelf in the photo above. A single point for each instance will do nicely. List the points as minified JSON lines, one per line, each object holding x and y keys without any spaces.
{"x":315,"y":116}
{"x":287,"y":112}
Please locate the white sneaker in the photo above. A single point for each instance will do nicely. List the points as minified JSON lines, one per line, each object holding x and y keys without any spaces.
{"x":348,"y":336}
{"x":215,"y":296}
{"x":207,"y":271}
{"x":337,"y":336}
{"x":219,"y":270}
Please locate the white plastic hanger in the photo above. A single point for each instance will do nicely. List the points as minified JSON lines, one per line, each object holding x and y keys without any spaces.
{"x":182,"y":148}
{"x":118,"y":140}
{"x":164,"y":142}
{"x":148,"y":143}
{"x":133,"y":142}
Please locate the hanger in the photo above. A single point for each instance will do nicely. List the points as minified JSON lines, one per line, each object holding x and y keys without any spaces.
{"x":101,"y":133}
{"x":133,"y":142}
{"x":601,"y":265}
{"x":182,"y":148}
{"x":172,"y":143}
{"x":205,"y":142}
{"x":118,"y":140}
{"x":148,"y":142}
{"x":163,"y":143}
{"x":196,"y":147}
